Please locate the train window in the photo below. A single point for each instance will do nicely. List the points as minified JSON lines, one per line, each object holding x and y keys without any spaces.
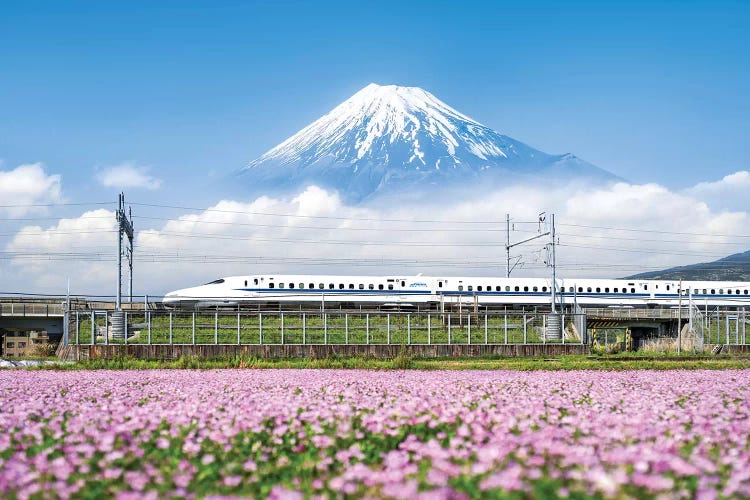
{"x":705,"y":291}
{"x":371,"y":286}
{"x":440,"y":284}
{"x":525,"y":289}
{"x":256,"y":281}
{"x":544,"y":289}
{"x":361,"y":286}
{"x":588,"y":289}
{"x":302,"y":285}
{"x":536,"y":289}
{"x":245,"y":282}
{"x":281,"y":285}
{"x":216,"y":282}
{"x":713,"y":291}
{"x":312,"y":285}
{"x":517,"y":289}
{"x":507,"y":289}
{"x":291,"y":285}
{"x":403,"y":283}
{"x":331,"y":286}
{"x":460,"y":288}
{"x":497,"y":288}
{"x":645,"y":287}
{"x":667,"y":287}
{"x":479,"y":288}
{"x":341,"y":286}
{"x":571,"y":289}
{"x":737,"y":292}
{"x":351,"y":286}
{"x":632,"y":290}
{"x":745,"y":292}
{"x":390,"y":286}
{"x":380,"y":287}
{"x":270,"y":285}
{"x":470,"y":288}
{"x":580,"y":289}
{"x":616,"y":290}
{"x":598,"y":289}
{"x":721,"y":290}
{"x":606,"y":290}
{"x":321,"y":286}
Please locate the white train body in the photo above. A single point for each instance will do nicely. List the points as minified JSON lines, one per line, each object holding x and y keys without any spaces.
{"x":416,"y":290}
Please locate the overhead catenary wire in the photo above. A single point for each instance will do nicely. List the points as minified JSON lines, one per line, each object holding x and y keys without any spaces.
{"x":39,"y":205}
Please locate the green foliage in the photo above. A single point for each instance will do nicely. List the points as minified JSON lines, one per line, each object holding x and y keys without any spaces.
{"x":403,"y":361}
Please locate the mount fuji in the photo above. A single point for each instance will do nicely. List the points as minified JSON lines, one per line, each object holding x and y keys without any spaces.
{"x":392,"y":140}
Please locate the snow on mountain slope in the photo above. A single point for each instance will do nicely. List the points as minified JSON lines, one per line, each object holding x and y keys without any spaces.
{"x":387,"y":138}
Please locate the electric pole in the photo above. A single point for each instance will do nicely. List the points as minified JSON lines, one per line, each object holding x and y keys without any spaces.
{"x":553,"y":263}
{"x":679,"y":319}
{"x":551,"y":257}
{"x":124,"y":225}
{"x":507,"y":245}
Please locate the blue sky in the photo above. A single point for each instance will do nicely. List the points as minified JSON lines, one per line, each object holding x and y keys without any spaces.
{"x":184,"y":93}
{"x":650,"y":91}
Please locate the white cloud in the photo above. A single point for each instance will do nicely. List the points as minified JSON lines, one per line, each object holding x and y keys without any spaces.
{"x":314,"y":233}
{"x":28,"y":185}
{"x":729,"y":193}
{"x":128,"y":175}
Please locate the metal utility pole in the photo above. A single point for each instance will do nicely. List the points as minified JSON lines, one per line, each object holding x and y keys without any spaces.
{"x":551,"y":260}
{"x":509,"y":245}
{"x":130,"y":254}
{"x":679,"y":319}
{"x":125,"y":225}
{"x":553,"y":263}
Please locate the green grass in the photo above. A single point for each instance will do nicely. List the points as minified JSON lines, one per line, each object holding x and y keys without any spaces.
{"x":402,"y":361}
{"x":315,"y":329}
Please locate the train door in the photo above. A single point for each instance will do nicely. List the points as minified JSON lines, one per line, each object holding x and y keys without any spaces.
{"x":650,"y":291}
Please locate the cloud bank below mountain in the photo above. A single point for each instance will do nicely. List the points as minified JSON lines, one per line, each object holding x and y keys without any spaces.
{"x":605,"y":231}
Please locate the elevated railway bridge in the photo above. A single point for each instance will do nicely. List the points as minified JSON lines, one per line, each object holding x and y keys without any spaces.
{"x":713,"y":326}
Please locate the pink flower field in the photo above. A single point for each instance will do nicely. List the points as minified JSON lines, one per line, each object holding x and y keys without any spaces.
{"x":400,"y":434}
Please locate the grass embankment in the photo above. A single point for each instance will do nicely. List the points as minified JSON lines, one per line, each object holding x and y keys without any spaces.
{"x":298,"y":328}
{"x":407,"y":362}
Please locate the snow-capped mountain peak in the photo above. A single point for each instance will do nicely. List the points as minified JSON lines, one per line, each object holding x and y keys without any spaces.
{"x":388,"y":134}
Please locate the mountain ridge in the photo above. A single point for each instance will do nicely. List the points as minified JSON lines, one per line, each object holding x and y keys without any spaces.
{"x":735,"y":267}
{"x":386,"y":138}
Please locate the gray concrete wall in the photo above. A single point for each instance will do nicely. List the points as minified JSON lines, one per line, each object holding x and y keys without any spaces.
{"x":76,"y":352}
{"x":53,"y":326}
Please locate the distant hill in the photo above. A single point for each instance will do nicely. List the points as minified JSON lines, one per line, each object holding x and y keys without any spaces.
{"x":733,"y":268}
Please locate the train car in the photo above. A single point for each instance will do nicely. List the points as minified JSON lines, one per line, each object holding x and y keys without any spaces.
{"x":486,"y":291}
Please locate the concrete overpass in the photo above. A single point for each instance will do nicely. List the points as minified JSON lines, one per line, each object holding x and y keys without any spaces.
{"x":33,"y":314}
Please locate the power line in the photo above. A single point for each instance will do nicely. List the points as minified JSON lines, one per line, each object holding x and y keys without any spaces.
{"x":30,"y":205}
{"x":658,"y":231}
{"x":324,"y":228}
{"x":629,"y":250}
{"x":325,"y":217}
{"x":53,"y":218}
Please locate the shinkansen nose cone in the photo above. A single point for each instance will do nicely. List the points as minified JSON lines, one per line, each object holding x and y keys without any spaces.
{"x":179,"y":298}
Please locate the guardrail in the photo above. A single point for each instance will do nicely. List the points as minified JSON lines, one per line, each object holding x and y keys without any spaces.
{"x":30,"y":309}
{"x":635,"y":313}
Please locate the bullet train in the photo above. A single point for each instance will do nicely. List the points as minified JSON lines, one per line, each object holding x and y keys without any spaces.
{"x":418,"y":290}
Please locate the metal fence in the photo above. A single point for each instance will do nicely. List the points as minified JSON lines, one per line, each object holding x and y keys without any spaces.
{"x":311,"y":328}
{"x":31,"y":309}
